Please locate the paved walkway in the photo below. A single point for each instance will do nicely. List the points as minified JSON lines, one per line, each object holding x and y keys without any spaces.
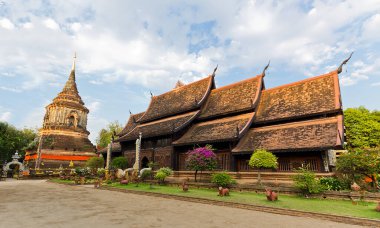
{"x":36,"y":203}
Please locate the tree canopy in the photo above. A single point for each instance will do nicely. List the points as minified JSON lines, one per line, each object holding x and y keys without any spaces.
{"x":362,"y":128}
{"x":262,"y":159}
{"x":105,"y":135}
{"x":12,"y":139}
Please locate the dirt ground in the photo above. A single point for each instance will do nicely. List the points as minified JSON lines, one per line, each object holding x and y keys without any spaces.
{"x":36,"y":203}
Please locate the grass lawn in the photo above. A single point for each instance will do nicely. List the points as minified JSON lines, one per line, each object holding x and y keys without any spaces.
{"x":328,"y":206}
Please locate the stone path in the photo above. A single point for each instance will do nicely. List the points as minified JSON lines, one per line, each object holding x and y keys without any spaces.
{"x":36,"y":203}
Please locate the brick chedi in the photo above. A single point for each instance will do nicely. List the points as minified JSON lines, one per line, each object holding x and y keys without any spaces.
{"x":64,"y":137}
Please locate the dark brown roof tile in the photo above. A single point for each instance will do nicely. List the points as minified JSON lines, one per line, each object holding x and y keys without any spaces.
{"x":182,"y":99}
{"x":228,"y":128}
{"x":160,"y":127}
{"x":304,"y":98}
{"x":237,"y":97}
{"x":319,"y":133}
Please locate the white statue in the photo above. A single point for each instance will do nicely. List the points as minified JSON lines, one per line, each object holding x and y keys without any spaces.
{"x":136,"y":166}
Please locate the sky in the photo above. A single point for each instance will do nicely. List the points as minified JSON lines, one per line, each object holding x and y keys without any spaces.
{"x":125,"y":49}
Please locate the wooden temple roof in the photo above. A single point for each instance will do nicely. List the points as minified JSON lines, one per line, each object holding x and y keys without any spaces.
{"x":234,"y":98}
{"x":160,"y":127}
{"x":131,"y":124}
{"x":223,"y":129}
{"x":179,"y":100}
{"x":304,"y":98}
{"x":317,"y":133}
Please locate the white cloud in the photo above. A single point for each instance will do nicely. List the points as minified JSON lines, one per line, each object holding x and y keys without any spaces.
{"x":10,"y":89}
{"x":27,"y":25}
{"x":5,"y":116}
{"x":51,"y":24}
{"x":6,"y":24}
{"x":360,"y":71}
{"x":94,"y":106}
{"x":375,"y":84}
{"x":371,"y":27}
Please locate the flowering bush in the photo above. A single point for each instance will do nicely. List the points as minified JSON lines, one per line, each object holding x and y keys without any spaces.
{"x":101,"y":172}
{"x":200,"y":159}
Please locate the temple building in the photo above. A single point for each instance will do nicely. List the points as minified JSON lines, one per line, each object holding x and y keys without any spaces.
{"x":301,"y":123}
{"x":63,"y":136}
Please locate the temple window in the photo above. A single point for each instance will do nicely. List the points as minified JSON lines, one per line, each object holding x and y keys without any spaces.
{"x":71,"y":121}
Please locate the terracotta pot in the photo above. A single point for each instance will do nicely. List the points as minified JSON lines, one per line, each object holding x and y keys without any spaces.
{"x":378,"y":207}
{"x":355,"y":187}
{"x":124,"y":182}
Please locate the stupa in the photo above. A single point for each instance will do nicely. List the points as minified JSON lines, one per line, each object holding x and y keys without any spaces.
{"x":63,"y":136}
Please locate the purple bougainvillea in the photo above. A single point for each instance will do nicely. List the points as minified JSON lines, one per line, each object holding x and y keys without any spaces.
{"x":201,"y":159}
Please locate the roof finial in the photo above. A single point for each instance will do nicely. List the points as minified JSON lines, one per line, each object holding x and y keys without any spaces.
{"x":343,"y":63}
{"x":213,"y":73}
{"x":74,"y":58}
{"x":265,"y":68}
{"x":151,"y":94}
{"x":237,"y":131}
{"x":130,"y":113}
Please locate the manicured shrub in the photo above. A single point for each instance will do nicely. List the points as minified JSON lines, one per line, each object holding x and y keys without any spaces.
{"x":95,"y":162}
{"x":222,"y":179}
{"x":162,"y":173}
{"x":306,"y":181}
{"x":145,"y":175}
{"x":262,"y":159}
{"x":119,"y":163}
{"x":201,"y":159}
{"x":333,"y":184}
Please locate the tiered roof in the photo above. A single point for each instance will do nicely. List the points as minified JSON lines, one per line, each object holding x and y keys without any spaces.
{"x":164,"y":126}
{"x":131,"y":124}
{"x":300,"y":99}
{"x":179,"y":100}
{"x":224,"y":129}
{"x":169,"y":112}
{"x":287,"y":117}
{"x":318,"y":133}
{"x":231,"y":100}
{"x":234,"y":98}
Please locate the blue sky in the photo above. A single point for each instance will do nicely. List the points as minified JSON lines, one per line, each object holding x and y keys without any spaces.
{"x":127,"y":48}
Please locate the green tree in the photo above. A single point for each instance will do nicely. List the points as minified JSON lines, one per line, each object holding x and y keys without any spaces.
{"x":95,"y":162}
{"x":362,"y":128}
{"x":360,"y":163}
{"x":262,"y":159}
{"x":105,"y":135}
{"x":12,"y":139}
{"x":119,"y":163}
